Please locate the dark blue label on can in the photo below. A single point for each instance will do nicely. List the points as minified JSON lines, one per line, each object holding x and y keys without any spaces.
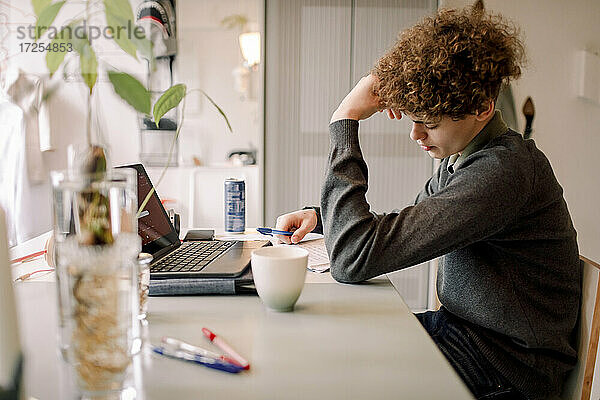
{"x":235,"y":206}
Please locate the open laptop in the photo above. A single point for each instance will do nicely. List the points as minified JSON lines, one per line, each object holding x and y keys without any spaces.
{"x":194,"y":259}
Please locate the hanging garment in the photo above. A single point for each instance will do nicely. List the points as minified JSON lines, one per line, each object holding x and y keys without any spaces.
{"x":24,"y":135}
{"x":27,"y":91}
{"x":12,"y":143}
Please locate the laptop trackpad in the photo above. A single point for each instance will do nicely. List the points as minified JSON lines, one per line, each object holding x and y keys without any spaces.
{"x":232,"y":263}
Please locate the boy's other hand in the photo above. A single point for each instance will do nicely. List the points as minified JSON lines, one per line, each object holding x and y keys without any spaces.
{"x":393,"y":113}
{"x":300,"y":222}
{"x":360,"y":103}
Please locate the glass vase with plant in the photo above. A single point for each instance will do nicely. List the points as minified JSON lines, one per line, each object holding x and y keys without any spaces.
{"x":95,"y":226}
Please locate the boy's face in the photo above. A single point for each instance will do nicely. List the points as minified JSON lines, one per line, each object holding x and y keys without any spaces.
{"x":446,"y":137}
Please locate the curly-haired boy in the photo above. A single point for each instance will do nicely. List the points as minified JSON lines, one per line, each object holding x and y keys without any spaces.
{"x":509,"y":279}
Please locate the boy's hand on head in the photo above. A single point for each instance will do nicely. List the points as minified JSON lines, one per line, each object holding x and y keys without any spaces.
{"x":393,"y":113}
{"x":300,"y":222}
{"x":360,"y":103}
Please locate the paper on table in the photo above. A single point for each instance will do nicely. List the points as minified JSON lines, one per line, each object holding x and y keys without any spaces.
{"x":242,"y":236}
{"x":260,"y":236}
{"x":318,"y":259}
{"x":310,"y":237}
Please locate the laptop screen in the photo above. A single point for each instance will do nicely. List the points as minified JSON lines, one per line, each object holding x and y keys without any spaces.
{"x":154,"y":225}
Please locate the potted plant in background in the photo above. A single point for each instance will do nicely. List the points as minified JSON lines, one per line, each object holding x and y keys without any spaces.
{"x":94,"y":207}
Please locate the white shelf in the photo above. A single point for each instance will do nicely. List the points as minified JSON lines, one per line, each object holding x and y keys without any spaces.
{"x":197,"y":193}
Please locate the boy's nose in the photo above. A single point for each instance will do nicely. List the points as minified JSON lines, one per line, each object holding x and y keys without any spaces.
{"x":417,"y":132}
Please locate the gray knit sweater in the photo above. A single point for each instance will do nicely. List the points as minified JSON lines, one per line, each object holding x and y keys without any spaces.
{"x":510,"y":268}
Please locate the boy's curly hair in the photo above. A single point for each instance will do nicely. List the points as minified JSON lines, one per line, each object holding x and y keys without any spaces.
{"x":450,"y":64}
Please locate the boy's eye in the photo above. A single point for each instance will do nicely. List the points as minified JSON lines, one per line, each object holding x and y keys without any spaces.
{"x":431,"y":126}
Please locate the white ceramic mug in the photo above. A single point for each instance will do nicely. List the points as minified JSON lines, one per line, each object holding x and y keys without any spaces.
{"x":279,"y":274}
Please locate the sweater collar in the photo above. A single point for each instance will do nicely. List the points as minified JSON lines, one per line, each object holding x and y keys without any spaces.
{"x":490,"y":131}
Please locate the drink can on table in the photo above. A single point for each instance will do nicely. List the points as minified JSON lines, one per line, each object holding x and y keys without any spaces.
{"x":235,"y":205}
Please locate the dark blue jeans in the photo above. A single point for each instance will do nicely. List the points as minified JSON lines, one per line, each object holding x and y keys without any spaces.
{"x":478,"y":374}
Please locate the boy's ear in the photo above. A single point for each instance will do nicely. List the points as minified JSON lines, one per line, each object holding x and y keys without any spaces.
{"x":483,"y":115}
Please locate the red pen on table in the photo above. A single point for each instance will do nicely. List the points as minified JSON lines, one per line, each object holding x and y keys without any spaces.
{"x":220,"y":343}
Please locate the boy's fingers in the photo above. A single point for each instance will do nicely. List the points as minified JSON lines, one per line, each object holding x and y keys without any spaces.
{"x":296,"y":237}
{"x":302,"y":231}
{"x":284,"y":239}
{"x":285,"y":223}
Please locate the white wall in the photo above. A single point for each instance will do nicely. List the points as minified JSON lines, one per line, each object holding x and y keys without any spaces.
{"x":565,"y":128}
{"x":208,"y":54}
{"x":67,"y":106}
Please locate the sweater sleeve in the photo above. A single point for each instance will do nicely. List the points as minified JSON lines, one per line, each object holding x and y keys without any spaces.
{"x":430,"y":187}
{"x":477,"y":201}
{"x":319,"y":227}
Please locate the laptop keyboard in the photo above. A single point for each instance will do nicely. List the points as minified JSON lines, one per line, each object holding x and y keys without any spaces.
{"x":192,"y":256}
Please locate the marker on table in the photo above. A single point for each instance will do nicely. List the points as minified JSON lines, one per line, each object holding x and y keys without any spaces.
{"x":198,"y":359}
{"x":220,"y":343}
{"x":271,"y":232}
{"x":190,"y":348}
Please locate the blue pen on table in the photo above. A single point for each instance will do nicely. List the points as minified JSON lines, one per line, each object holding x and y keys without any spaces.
{"x":271,"y":232}
{"x":198,"y":359}
{"x":176,"y":344}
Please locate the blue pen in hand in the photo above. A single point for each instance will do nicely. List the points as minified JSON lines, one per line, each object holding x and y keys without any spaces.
{"x":198,"y":359}
{"x":271,"y":232}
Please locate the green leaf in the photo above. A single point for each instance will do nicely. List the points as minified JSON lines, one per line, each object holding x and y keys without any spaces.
{"x":235,"y":21}
{"x":87,"y":62}
{"x":46,"y":18}
{"x":168,"y":100}
{"x":218,"y":109}
{"x":131,"y":90}
{"x":79,"y":43}
{"x":55,"y":58}
{"x":121,"y":32}
{"x":39,"y":5}
{"x":120,"y":8}
{"x":119,"y":17}
{"x":144,"y":46}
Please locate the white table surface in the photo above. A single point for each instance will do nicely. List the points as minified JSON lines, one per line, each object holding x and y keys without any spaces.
{"x":341,"y":342}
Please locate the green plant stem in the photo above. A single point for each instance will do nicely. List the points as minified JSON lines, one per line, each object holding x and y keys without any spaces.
{"x":88,"y":130}
{"x":89,"y":98}
{"x":214,"y":104}
{"x":162,"y":174}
